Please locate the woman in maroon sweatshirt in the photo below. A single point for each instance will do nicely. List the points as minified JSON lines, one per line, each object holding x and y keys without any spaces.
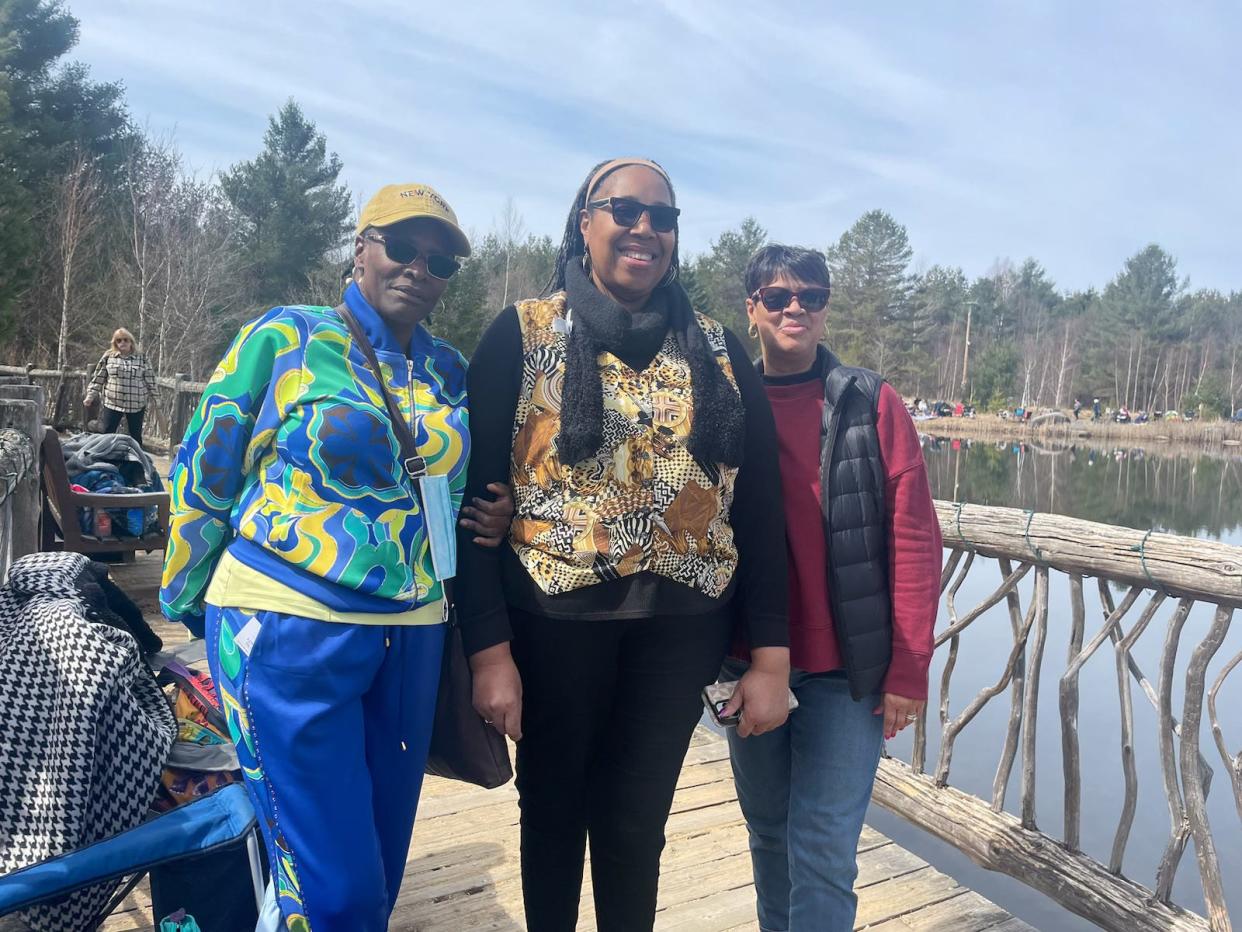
{"x":864,"y":569}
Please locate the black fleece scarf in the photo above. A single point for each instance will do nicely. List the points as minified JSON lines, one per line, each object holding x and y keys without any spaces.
{"x":601,"y":325}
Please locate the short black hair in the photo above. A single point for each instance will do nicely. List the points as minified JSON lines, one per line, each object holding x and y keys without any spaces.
{"x":806,"y":265}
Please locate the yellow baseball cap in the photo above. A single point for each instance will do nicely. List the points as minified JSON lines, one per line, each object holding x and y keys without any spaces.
{"x":396,"y":202}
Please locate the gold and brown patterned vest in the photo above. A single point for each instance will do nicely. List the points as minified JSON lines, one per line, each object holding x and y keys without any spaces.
{"x":643,"y":502}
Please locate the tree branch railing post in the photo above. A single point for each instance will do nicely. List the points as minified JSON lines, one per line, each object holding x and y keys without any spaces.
{"x":21,"y":432}
{"x":18,"y":460}
{"x":1159,"y":570}
{"x":185,"y":399}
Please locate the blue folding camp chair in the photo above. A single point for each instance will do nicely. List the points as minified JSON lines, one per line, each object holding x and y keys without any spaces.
{"x":204,"y":825}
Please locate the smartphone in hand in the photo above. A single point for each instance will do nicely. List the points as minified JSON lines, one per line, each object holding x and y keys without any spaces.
{"x":715,"y":697}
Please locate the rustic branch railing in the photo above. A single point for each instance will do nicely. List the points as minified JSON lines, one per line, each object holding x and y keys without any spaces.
{"x":21,"y":432}
{"x":1156,"y":568}
{"x":167,"y":414}
{"x":17,"y":463}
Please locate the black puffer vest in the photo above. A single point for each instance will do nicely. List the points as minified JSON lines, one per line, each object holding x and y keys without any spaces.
{"x":851,"y":479}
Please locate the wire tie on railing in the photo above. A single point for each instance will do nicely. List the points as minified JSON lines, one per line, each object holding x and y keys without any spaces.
{"x":1141,"y":549}
{"x":957,"y":524}
{"x":1030,"y":516}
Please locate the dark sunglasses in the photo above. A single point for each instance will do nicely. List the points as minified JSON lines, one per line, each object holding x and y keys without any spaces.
{"x":626,"y":212}
{"x":403,"y":252}
{"x":777,"y":299}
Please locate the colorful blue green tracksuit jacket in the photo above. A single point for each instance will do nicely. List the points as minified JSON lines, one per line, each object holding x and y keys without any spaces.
{"x":290,"y":462}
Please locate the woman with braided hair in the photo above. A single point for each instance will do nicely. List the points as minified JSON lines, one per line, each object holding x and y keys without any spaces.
{"x":642,"y":455}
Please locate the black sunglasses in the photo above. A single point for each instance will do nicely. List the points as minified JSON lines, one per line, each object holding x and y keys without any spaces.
{"x":626,"y":212}
{"x":403,"y":252}
{"x":777,"y":299}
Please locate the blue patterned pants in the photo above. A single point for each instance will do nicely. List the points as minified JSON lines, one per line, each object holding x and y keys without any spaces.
{"x":332,"y":723}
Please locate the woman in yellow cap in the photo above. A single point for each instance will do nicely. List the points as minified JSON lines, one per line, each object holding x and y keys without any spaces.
{"x":642,"y":455}
{"x":300,"y":541}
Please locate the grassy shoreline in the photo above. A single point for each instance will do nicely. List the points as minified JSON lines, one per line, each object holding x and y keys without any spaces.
{"x":1221,"y":435}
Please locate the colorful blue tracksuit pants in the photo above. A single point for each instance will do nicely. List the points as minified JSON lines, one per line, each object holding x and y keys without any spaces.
{"x":332,"y":723}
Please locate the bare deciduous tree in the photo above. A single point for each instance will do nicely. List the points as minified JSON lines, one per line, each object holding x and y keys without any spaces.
{"x":76,"y":214}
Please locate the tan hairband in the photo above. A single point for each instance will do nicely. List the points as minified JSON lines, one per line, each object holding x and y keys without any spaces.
{"x":618,"y":163}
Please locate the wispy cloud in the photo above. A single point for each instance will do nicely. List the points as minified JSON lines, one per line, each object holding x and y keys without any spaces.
{"x":1075,"y":133}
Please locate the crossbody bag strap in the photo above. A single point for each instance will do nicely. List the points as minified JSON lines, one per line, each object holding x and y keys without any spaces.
{"x":415,"y":466}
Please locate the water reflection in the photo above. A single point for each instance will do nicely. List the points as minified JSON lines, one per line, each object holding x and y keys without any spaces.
{"x":1181,"y":491}
{"x":1191,"y":493}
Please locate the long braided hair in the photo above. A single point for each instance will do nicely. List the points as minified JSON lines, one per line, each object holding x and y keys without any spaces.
{"x":718,"y":424}
{"x":573,"y":246}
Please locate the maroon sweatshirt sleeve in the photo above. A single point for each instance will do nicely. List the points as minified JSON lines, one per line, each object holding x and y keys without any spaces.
{"x":915,"y":551}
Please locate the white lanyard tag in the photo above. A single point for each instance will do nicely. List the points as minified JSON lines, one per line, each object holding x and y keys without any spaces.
{"x":439,"y":521}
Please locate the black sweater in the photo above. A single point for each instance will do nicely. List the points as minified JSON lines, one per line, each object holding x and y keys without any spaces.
{"x":490,"y":580}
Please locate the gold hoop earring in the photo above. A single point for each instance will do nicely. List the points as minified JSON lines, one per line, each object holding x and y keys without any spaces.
{"x":752,"y":331}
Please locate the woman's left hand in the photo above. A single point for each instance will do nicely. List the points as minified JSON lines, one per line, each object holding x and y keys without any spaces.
{"x":762,"y":693}
{"x":899,"y":712}
{"x":490,"y":520}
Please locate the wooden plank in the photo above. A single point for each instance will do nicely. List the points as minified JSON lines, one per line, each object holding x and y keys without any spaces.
{"x":721,"y":911}
{"x":707,"y":858}
{"x":900,"y":895}
{"x":133,"y":914}
{"x":967,"y":912}
{"x":886,"y":862}
{"x":464,"y":871}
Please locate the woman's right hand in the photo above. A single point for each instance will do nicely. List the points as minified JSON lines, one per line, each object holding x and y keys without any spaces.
{"x":498,"y":689}
{"x":490,"y":520}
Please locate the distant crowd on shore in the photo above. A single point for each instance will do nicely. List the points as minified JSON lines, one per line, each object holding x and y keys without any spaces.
{"x":1098,"y":412}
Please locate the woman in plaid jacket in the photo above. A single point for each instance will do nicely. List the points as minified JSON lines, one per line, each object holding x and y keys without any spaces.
{"x":126,"y":381}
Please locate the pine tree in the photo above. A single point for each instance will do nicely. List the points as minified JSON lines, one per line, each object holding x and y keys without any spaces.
{"x":290,"y":210}
{"x":873,"y":318}
{"x":689,"y":278}
{"x":51,"y":116}
{"x":937,"y":310}
{"x":462,"y":314}
{"x":721,"y":274}
{"x":1138,"y":316}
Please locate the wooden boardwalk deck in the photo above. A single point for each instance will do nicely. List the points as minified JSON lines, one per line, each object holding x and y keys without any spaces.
{"x":463,"y":869}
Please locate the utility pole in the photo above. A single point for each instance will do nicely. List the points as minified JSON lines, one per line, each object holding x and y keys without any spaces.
{"x":970,"y":306}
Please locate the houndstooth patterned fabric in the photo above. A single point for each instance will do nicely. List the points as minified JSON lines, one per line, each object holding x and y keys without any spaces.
{"x":84,"y":730}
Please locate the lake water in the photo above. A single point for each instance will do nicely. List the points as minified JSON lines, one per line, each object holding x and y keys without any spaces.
{"x":1186,"y":493}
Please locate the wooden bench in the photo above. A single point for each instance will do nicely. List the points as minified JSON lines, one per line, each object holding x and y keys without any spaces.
{"x":61,"y":530}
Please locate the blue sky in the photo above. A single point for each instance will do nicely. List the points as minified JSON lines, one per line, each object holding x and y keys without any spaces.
{"x":1074,"y":132}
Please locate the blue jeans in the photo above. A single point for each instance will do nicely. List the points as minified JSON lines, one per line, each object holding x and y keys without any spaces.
{"x":804,"y":790}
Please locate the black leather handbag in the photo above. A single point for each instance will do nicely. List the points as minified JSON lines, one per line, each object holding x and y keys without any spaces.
{"x":463,"y":746}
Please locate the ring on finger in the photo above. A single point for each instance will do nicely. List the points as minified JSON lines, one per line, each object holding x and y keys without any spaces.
{"x":910,"y":716}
